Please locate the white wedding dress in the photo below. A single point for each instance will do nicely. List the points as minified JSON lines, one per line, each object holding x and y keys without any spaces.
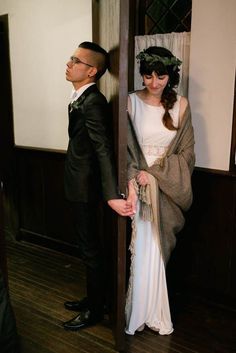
{"x":147,"y":297}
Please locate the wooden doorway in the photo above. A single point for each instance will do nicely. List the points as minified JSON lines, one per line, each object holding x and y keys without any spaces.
{"x":113,"y":26}
{"x":6,"y":130}
{"x":6,"y":114}
{"x":126,"y":50}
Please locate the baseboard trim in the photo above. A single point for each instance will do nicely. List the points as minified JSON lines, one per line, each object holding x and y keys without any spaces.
{"x":47,"y":242}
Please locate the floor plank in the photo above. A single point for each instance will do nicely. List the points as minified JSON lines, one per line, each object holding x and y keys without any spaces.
{"x":40,"y":280}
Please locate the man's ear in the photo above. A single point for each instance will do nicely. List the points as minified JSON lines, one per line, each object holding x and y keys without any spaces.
{"x":93,"y":71}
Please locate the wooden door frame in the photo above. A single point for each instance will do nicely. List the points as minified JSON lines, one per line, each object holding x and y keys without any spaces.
{"x":6,"y":109}
{"x":6,"y":137}
{"x":127,"y":27}
{"x":233,"y":138}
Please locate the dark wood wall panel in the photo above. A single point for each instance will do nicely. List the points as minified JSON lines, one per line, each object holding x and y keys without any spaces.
{"x":214,"y":231}
{"x":204,"y":260}
{"x":31,"y":202}
{"x":3,"y":262}
{"x":44,"y":213}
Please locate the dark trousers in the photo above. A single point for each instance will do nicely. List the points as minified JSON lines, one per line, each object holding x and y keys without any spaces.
{"x":90,"y":250}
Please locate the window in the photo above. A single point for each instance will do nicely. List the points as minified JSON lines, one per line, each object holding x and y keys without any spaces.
{"x":164,"y":16}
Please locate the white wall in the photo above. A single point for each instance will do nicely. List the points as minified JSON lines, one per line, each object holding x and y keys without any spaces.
{"x":43,"y":35}
{"x":212,"y":73}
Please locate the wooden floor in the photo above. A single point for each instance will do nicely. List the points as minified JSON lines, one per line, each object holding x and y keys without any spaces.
{"x":40,"y":280}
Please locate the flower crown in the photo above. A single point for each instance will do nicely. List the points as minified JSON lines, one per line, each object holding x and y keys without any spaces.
{"x":153,"y":58}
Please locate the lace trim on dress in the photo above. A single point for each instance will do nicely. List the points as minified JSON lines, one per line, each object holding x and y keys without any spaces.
{"x":128,"y":306}
{"x":154,"y":150}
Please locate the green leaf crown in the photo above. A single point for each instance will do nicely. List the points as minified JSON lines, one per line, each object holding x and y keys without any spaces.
{"x":153,"y":58}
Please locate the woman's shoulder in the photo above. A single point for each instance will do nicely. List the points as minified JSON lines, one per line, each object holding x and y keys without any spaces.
{"x":183,"y":100}
{"x":135,"y":93}
{"x":132,"y":99}
{"x":183,"y":103}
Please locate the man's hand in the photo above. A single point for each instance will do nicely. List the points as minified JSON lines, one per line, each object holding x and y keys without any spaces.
{"x":122,"y":207}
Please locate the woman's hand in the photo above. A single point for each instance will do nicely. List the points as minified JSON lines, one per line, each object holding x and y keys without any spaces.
{"x":142,"y":178}
{"x":132,"y":197}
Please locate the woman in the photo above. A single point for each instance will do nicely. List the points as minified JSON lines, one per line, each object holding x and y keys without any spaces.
{"x":160,"y":164}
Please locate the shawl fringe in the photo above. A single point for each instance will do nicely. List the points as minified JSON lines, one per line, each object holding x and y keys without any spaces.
{"x":146,"y":212}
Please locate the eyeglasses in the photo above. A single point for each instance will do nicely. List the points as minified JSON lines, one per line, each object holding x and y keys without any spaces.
{"x":76,"y":60}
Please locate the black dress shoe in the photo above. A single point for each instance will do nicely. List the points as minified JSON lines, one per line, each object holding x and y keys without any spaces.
{"x":83,"y":320}
{"x":78,"y":305}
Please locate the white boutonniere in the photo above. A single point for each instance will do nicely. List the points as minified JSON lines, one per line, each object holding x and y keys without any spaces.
{"x":74,"y":105}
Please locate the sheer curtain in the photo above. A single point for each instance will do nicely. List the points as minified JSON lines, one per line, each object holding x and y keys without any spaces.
{"x":177,"y":43}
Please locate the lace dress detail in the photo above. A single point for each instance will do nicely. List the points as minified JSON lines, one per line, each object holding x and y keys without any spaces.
{"x":147,"y":297}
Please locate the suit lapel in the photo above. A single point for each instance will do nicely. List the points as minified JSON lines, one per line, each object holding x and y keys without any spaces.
{"x":81,"y":98}
{"x":74,"y":108}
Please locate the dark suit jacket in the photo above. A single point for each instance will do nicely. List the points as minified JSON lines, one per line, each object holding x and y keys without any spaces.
{"x":90,"y":172}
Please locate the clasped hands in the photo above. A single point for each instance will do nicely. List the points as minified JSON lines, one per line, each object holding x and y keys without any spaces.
{"x":122,"y":207}
{"x":128,"y":207}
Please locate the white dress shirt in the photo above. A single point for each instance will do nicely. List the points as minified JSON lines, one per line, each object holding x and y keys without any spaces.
{"x":76,"y":94}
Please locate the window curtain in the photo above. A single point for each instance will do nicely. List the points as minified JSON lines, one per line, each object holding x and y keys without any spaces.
{"x":177,"y":43}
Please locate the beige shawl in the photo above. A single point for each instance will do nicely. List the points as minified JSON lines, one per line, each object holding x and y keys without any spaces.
{"x":169,"y":193}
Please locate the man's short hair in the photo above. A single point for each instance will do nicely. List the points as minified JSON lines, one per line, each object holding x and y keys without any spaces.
{"x":104,"y":59}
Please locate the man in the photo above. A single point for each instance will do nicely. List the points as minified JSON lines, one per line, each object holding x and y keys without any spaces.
{"x":89,"y":174}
